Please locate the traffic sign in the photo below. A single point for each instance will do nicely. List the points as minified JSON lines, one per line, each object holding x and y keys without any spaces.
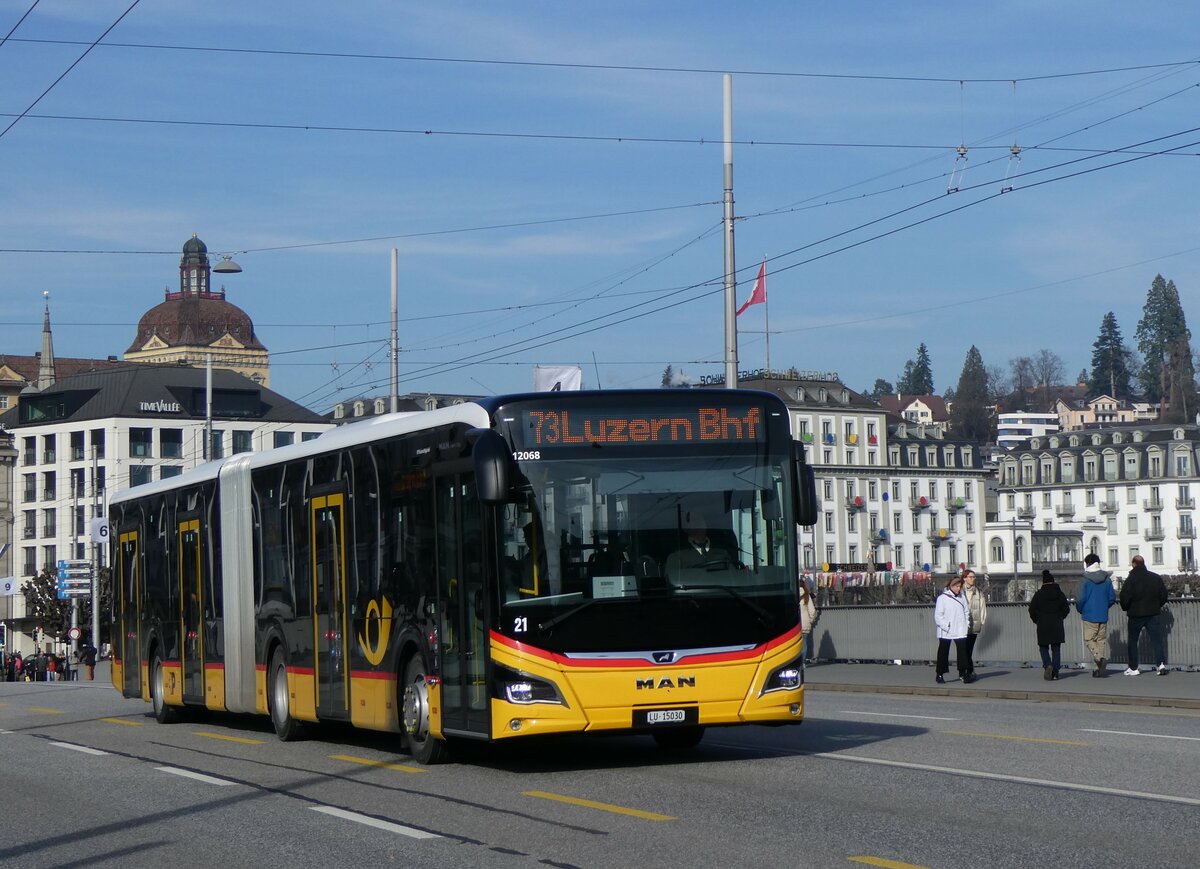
{"x":74,"y":634}
{"x":70,"y":563}
{"x":99,"y":530}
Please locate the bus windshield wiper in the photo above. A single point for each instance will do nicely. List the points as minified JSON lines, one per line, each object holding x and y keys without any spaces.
{"x":764,"y":618}
{"x":562,"y":617}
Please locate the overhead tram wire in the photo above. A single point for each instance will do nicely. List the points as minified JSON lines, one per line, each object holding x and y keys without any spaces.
{"x":614,"y":67}
{"x":20,"y":21}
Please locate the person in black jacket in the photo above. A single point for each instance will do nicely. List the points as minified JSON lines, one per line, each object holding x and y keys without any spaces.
{"x":1048,"y":609}
{"x":1143,"y":595}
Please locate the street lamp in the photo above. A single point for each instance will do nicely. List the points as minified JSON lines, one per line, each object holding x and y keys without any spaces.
{"x":226,"y":266}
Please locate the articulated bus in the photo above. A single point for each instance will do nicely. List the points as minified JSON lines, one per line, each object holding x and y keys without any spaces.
{"x":501,"y":568}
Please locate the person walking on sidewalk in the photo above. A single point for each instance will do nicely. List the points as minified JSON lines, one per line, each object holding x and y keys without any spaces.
{"x":808,"y":618}
{"x":952,"y":620}
{"x":1096,"y":597}
{"x":1048,"y":609}
{"x":1143,"y":595}
{"x":977,"y":615}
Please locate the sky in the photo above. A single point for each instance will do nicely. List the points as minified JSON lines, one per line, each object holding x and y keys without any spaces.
{"x":551,"y":175}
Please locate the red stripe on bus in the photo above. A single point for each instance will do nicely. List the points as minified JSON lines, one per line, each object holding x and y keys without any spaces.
{"x":373,"y":674}
{"x":214,"y":666}
{"x":710,"y":658}
{"x":301,"y":671}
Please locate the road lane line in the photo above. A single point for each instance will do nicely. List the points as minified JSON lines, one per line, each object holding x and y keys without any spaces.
{"x":896,"y":715}
{"x":198,"y":776}
{"x":411,"y":832}
{"x":886,"y":864}
{"x":123,"y":721}
{"x":82,"y":748}
{"x":604,"y":807}
{"x":1017,"y":738}
{"x":45,"y":711}
{"x":1154,"y":735}
{"x":382,"y":764}
{"x":223,"y":736}
{"x":1011,"y":779}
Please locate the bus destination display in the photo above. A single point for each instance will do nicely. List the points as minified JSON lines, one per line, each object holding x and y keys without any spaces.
{"x":715,"y":424}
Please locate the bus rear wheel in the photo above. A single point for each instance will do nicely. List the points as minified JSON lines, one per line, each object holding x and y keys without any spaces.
{"x":679,"y":738}
{"x":279,"y":699}
{"x":163,"y":713}
{"x":414,"y":711}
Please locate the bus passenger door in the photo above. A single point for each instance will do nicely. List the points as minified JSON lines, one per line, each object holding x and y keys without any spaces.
{"x":191,"y":593}
{"x":329,"y":604}
{"x":128,"y":594}
{"x":462,"y":602}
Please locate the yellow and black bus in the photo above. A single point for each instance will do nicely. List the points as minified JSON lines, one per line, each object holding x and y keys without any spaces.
{"x":560,"y":562}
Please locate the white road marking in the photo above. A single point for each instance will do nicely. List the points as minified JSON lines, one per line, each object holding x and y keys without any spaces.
{"x":198,"y":776}
{"x":1154,"y":735}
{"x":1015,"y":779}
{"x":411,"y":832}
{"x":82,"y":748}
{"x":897,"y":715}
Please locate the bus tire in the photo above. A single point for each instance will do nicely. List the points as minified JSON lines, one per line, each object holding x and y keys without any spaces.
{"x":279,"y":699}
{"x":679,"y":738}
{"x":163,"y":713}
{"x":414,"y":710}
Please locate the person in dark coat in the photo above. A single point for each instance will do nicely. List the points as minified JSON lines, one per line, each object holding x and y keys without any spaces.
{"x":1048,"y":609}
{"x":1143,"y":595}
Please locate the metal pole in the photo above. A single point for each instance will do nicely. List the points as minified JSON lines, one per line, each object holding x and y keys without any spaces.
{"x":207,"y":407}
{"x":731,"y":353}
{"x":395,"y":346}
{"x":74,"y":645}
{"x":95,"y":563}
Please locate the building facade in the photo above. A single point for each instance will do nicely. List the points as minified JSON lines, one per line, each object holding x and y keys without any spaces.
{"x":1116,"y":492}
{"x":1015,"y":429}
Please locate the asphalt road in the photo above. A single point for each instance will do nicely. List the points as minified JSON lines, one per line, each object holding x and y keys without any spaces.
{"x":869,"y":779}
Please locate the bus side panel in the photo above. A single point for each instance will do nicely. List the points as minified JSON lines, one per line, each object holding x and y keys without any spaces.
{"x":373,"y":700}
{"x":302,"y":688}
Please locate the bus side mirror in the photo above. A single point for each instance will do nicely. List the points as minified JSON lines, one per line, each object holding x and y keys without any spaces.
{"x":804,"y":488}
{"x":492,"y":458}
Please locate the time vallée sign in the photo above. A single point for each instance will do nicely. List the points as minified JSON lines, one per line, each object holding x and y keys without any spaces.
{"x":160,"y":406}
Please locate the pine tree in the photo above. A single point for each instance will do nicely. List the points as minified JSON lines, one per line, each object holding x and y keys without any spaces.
{"x":969,"y":417}
{"x":1110,"y":362}
{"x":1162,"y":326}
{"x":668,"y":376}
{"x":917,"y":378}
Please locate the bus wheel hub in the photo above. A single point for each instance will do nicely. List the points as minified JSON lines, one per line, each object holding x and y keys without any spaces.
{"x":415,"y":709}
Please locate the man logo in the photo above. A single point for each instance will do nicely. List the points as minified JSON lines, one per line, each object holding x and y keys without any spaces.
{"x":664,"y":657}
{"x":666,"y":682}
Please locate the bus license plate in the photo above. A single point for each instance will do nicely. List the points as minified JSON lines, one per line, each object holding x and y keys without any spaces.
{"x":660,"y":717}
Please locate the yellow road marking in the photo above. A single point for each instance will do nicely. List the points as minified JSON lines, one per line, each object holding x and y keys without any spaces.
{"x":46,"y":711}
{"x":604,"y":807}
{"x":240,"y":739}
{"x":382,"y":764}
{"x":122,"y":721}
{"x":1018,"y":738}
{"x":886,"y":864}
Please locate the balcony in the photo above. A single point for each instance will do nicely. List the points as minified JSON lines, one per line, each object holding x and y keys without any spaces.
{"x":1187,"y":566}
{"x":920,"y":503}
{"x":1185,"y":503}
{"x":29,"y":533}
{"x":1065,"y":511}
{"x":28,"y":495}
{"x":880,"y":537}
{"x":1152,"y":504}
{"x":855,"y":503}
{"x":1108,"y":508}
{"x":941,"y":535}
{"x":954,"y":504}
{"x":49,"y":457}
{"x":1026,"y":512}
{"x":77,"y":454}
{"x":1154,"y":534}
{"x":1188,"y":533}
{"x":48,"y":495}
{"x":29,"y":457}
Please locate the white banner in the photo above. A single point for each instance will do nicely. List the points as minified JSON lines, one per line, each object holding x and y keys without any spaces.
{"x":557,"y":378}
{"x":9,"y":585}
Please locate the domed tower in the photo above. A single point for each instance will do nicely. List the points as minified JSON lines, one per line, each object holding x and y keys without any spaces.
{"x":197,"y":321}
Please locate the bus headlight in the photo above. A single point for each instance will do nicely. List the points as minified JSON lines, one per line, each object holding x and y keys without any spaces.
{"x":789,"y":677}
{"x":524,"y":689}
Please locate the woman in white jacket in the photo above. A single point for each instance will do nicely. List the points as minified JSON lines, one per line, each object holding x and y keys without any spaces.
{"x":952,"y":618}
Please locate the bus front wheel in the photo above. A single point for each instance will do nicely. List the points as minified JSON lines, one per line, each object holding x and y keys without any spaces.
{"x":287,"y":728}
{"x":414,"y":707}
{"x":163,"y":713}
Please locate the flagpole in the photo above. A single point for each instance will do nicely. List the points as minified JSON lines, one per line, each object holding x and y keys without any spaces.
{"x":767,"y":333}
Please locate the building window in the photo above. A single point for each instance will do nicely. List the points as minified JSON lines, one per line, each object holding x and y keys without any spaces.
{"x":873,"y":490}
{"x":1045,"y":499}
{"x":50,"y":558}
{"x":970,"y":554}
{"x":217,"y":447}
{"x":49,"y":523}
{"x":829,"y":522}
{"x":895,"y":490}
{"x":167,"y":471}
{"x":917,"y":551}
{"x":1156,"y":555}
{"x":1012,"y":501}
{"x":830,"y":558}
{"x":1113,"y":555}
{"x":141,"y":443}
{"x":283,"y":438}
{"x":1019,"y":549}
{"x":241,"y":441}
{"x":852,"y":523}
{"x":49,"y":449}
{"x":49,"y":486}
{"x":310,"y":435}
{"x":970,"y":523}
{"x":170,"y":443}
{"x":139,"y":474}
{"x":897,"y":522}
{"x":77,"y":452}
{"x":898,"y":557}
{"x":30,"y":561}
{"x":97,"y":437}
{"x":852,"y":553}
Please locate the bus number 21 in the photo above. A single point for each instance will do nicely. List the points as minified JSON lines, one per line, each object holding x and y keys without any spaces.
{"x":520,"y":624}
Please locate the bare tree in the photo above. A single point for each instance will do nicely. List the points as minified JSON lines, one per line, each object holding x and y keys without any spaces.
{"x":1048,"y":368}
{"x":1023,"y":380}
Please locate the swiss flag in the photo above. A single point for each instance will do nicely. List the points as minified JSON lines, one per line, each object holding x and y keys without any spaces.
{"x":759,"y":296}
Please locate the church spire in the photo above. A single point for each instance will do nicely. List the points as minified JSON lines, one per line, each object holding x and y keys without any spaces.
{"x":46,"y":364}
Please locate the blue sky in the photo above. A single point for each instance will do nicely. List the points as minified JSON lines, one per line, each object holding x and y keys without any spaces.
{"x":846,"y":121}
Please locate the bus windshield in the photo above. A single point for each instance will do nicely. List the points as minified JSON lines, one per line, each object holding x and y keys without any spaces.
{"x":637,"y":554}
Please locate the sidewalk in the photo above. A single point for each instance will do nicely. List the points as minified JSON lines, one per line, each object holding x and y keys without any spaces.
{"x":1179,"y":689}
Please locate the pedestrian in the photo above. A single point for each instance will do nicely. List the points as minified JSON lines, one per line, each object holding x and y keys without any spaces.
{"x":1048,"y":609}
{"x":1143,"y":595}
{"x":977,"y":614}
{"x":808,"y":618}
{"x":952,"y":621}
{"x":88,"y":656}
{"x":1096,"y":597}
{"x":51,"y":667}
